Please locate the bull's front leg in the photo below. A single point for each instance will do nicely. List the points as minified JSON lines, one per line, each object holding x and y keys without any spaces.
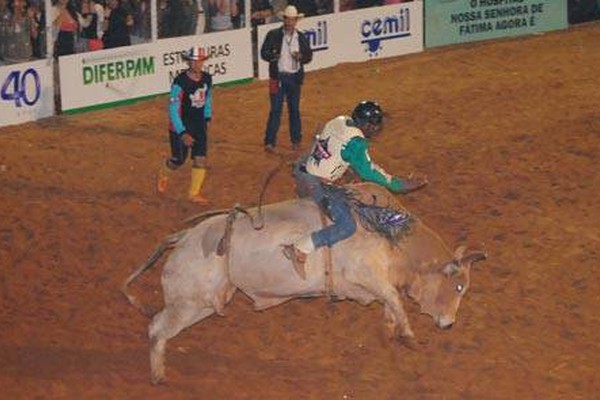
{"x":395,"y":318}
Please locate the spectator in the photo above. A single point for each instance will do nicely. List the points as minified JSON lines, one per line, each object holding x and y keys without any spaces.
{"x":278,"y":9}
{"x":261,"y":12}
{"x":181,"y":17}
{"x":583,"y":10}
{"x":308,"y":8}
{"x":347,"y":5}
{"x":91,"y":34}
{"x":221,"y":13}
{"x":286,"y":49}
{"x":236,"y":19}
{"x":38,"y":37}
{"x":141,"y":31}
{"x":5,"y":28}
{"x":117,"y":24}
{"x":324,"y":7}
{"x":67,"y":22}
{"x":201,"y":19}
{"x":21,"y":30}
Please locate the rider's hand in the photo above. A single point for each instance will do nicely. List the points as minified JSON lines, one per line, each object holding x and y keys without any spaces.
{"x":415,"y":181}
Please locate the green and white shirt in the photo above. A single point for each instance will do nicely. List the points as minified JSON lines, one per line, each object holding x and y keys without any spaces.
{"x":341,"y":145}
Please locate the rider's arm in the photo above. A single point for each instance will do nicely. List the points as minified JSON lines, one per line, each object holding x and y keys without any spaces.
{"x":356,"y":153}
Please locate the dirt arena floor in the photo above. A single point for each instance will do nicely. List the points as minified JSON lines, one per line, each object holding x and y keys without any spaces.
{"x":508,"y":133}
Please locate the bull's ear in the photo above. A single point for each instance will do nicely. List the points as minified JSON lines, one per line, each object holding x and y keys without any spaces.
{"x":472,"y":257}
{"x":451,"y":268}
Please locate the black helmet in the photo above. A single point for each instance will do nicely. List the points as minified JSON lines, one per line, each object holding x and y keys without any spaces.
{"x":368,"y":116}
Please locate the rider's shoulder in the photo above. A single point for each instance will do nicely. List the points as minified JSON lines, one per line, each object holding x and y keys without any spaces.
{"x":343,"y":123}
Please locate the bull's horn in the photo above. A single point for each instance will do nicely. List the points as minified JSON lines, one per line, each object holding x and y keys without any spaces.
{"x":460,"y":252}
{"x":474,"y":256}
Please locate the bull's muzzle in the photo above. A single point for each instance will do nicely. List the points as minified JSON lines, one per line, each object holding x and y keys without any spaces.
{"x":445,"y":322}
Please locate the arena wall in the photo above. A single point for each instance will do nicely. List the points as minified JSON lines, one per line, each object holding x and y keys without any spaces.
{"x":38,"y":89}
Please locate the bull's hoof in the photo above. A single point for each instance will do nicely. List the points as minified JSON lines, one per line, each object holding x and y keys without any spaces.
{"x":409,"y":342}
{"x":158,"y":379}
{"x":149,"y":311}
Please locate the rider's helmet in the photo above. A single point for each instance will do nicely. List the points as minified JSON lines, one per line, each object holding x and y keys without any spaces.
{"x":368,"y":116}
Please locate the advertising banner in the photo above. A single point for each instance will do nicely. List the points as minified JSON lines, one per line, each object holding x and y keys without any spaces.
{"x":458,"y":21}
{"x":125,"y":73}
{"x":26,"y":92}
{"x":360,"y":35}
{"x":380,"y":32}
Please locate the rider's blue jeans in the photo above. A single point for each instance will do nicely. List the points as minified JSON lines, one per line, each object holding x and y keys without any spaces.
{"x":343,"y":225}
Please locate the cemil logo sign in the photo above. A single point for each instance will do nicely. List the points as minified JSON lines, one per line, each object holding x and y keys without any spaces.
{"x":317,"y":36}
{"x":393,"y":26}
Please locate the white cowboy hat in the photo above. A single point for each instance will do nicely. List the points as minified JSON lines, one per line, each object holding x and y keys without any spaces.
{"x":291,"y":12}
{"x":195,"y":54}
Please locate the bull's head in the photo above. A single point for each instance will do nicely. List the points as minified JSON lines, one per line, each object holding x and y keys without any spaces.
{"x":440,"y":289}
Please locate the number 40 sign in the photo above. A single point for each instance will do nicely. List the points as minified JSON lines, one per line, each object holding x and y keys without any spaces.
{"x":21,"y":88}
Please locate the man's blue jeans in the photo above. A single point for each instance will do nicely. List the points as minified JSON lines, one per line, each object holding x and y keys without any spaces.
{"x":343,"y":225}
{"x":288,"y":87}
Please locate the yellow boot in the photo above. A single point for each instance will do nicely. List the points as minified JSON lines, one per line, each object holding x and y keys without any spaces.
{"x":198,"y":175}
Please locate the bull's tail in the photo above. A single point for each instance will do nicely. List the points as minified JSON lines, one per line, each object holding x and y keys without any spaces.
{"x":166,"y":244}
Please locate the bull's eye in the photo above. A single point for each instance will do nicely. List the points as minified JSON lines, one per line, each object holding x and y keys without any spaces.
{"x":459,"y":288}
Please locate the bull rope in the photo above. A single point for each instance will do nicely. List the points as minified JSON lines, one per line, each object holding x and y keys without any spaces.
{"x":329,"y":292}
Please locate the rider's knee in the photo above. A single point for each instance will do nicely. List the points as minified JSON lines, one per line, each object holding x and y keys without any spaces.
{"x":347,"y":228}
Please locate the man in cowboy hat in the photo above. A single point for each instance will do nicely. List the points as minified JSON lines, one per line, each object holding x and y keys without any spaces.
{"x":190,"y":110}
{"x":286,"y":49}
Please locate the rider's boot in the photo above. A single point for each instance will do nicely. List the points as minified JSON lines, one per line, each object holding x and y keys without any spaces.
{"x":298,"y":253}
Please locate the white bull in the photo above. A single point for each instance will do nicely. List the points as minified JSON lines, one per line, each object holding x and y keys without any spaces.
{"x":198,"y":281}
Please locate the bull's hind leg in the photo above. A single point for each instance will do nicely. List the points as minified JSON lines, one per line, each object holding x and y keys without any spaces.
{"x":167,"y":324}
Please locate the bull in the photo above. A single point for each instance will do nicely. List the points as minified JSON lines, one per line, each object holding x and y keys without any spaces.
{"x":206,"y":267}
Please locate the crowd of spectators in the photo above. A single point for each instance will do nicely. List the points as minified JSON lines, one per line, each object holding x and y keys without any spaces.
{"x":76,"y":26}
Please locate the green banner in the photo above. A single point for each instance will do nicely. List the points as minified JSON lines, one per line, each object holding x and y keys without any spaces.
{"x":459,"y":21}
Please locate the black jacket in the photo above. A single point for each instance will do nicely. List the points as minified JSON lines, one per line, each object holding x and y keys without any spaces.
{"x":271,"y":49}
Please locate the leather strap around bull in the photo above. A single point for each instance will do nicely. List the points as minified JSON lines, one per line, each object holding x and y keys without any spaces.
{"x":328,"y":264}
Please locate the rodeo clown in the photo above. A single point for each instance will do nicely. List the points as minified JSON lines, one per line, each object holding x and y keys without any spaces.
{"x":190,"y":111}
{"x":342,"y":143}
